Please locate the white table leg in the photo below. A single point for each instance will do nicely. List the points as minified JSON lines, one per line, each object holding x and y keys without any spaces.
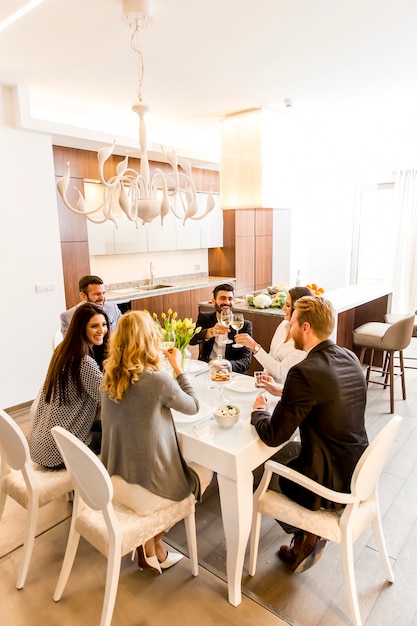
{"x":236,"y":499}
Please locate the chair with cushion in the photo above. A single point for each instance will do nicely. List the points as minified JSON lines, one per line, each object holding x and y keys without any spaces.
{"x":57,"y":338}
{"x":391,"y":318}
{"x":342,"y":527}
{"x":27,"y":483}
{"x":389,"y":338}
{"x":113,"y":529}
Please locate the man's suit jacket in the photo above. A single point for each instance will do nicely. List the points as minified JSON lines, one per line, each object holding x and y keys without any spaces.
{"x":240,"y":358}
{"x":111,"y":308}
{"x":325,"y":396}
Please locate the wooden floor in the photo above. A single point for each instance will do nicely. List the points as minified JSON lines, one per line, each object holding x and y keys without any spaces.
{"x":272,"y":597}
{"x":317,"y":597}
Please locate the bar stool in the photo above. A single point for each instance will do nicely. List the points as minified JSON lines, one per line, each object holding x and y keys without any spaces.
{"x":389,"y":338}
{"x":390,"y":318}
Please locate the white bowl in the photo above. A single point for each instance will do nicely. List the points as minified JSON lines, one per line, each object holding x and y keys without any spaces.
{"x":226,"y":415}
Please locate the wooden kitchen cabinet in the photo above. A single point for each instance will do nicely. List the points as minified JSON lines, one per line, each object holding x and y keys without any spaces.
{"x":153,"y":304}
{"x":203,"y":294}
{"x":74,"y":244}
{"x":179,"y":301}
{"x":247,"y":249}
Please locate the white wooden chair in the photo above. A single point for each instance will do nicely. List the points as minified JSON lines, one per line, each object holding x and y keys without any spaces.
{"x":113,"y":529}
{"x":27,"y":483}
{"x":343,"y":527}
{"x":57,"y":338}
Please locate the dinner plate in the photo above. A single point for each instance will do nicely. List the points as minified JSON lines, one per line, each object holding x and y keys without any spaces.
{"x":242,"y":385}
{"x":181,"y":418}
{"x":197,"y":366}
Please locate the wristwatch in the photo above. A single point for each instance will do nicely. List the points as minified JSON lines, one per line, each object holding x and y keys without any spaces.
{"x":256,"y":348}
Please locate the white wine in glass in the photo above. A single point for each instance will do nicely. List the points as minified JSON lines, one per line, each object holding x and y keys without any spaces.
{"x":168,"y":340}
{"x":225,"y":319}
{"x":236,"y":323}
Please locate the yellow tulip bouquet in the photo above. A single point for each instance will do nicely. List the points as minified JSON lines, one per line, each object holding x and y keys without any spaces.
{"x":184,"y":329}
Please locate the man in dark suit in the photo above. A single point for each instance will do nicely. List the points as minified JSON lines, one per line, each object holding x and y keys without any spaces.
{"x":212,"y":335}
{"x":325,"y":396}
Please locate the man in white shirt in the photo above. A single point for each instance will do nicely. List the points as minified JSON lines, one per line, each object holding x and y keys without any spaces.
{"x":92,"y":290}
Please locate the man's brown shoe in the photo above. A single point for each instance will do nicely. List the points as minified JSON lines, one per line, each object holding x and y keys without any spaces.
{"x":304,"y":551}
{"x":288,"y":553}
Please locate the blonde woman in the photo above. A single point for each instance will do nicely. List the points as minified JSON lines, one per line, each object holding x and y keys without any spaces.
{"x":139,"y":441}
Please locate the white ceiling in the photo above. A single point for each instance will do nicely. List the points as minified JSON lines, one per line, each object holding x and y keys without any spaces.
{"x":336,"y":60}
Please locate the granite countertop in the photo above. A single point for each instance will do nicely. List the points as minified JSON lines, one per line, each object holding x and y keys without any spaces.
{"x":135,"y":290}
{"x":240,"y":304}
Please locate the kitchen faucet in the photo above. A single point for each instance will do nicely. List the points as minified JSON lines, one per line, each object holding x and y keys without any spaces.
{"x":151,"y":273}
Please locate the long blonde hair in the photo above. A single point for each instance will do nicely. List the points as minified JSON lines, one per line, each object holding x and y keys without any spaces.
{"x":134,"y":347}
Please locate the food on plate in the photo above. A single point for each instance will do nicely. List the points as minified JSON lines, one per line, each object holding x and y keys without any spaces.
{"x":227,"y":410}
{"x":226,"y":415}
{"x":220,"y":376}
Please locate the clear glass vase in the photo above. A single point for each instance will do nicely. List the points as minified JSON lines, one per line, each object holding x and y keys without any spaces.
{"x":185,"y":360}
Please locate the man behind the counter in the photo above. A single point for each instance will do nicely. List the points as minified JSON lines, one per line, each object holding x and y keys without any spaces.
{"x":92,"y":290}
{"x":212,"y":335}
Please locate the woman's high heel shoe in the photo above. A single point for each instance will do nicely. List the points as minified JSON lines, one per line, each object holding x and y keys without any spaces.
{"x":171,"y":559}
{"x":148,"y":562}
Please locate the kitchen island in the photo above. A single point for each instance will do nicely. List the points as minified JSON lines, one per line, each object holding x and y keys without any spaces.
{"x":354,"y":305}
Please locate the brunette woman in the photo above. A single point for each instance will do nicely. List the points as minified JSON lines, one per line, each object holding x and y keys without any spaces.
{"x":70,"y":395}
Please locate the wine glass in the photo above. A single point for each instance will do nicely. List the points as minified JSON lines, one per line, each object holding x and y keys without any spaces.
{"x":236,"y":323}
{"x":168,"y":340}
{"x":225,"y":319}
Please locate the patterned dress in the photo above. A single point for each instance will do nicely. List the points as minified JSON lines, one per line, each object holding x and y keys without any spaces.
{"x":77,"y":416}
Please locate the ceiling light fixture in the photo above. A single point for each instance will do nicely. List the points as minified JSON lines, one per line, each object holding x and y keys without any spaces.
{"x":146,"y":195}
{"x":14,"y":17}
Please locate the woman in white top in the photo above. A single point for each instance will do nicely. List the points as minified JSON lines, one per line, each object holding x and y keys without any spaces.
{"x":282,"y":353}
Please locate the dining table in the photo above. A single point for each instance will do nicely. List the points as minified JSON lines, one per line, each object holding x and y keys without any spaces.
{"x":231,"y":453}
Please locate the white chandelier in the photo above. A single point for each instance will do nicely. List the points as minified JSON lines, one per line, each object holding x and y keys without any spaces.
{"x":146,"y":195}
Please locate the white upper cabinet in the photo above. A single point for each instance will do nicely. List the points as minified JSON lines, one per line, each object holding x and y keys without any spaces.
{"x":129,"y":238}
{"x":212,"y":224}
{"x":162,"y":236}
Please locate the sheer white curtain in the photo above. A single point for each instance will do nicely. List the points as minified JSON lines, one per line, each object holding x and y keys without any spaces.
{"x":403,"y":253}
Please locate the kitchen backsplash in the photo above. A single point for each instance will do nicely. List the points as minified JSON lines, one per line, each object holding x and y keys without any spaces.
{"x":128,"y":268}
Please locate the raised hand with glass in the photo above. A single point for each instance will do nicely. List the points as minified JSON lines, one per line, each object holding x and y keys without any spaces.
{"x":225,"y":320}
{"x":168,"y":339}
{"x":236,"y":323}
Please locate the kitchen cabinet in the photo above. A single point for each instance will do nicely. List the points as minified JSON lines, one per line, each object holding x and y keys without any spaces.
{"x":201,"y":294}
{"x":106,"y":238}
{"x":162,"y":236}
{"x":212,"y":225}
{"x":179,"y":301}
{"x":74,"y":244}
{"x":247,"y":249}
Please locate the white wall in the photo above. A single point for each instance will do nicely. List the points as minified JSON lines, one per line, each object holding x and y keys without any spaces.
{"x":119,"y":268}
{"x":30,"y":253}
